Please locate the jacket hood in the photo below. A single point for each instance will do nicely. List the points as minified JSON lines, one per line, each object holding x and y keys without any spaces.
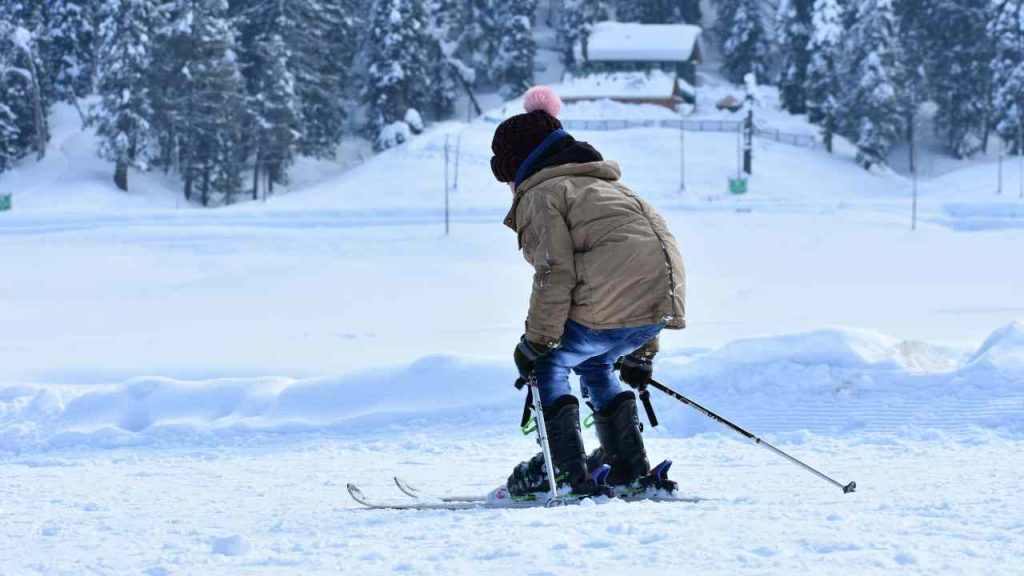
{"x":602,"y":170}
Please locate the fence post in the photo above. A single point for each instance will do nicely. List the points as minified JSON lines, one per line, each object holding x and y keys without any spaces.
{"x":999,"y":178}
{"x":446,"y":223}
{"x":458,"y":154}
{"x":682,"y":156}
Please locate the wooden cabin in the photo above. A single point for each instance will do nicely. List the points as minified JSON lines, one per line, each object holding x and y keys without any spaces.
{"x":651,"y":87}
{"x":631,"y":47}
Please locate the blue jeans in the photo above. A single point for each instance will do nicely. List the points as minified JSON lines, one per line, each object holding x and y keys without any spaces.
{"x":591,"y":354}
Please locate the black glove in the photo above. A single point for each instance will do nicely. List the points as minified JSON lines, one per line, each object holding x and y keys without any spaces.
{"x":636,"y":372}
{"x":526,"y":355}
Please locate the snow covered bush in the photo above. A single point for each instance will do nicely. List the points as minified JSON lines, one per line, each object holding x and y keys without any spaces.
{"x":414,"y":120}
{"x":392,"y":135}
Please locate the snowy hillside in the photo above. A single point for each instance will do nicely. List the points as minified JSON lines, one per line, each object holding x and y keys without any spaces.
{"x":187,"y":391}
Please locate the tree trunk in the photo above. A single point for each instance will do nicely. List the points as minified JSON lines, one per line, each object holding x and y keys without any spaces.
{"x":910,"y":138}
{"x":206,"y":187}
{"x":467,"y":88}
{"x":828,"y":132}
{"x":987,"y":120}
{"x":37,"y":106}
{"x":78,"y":107}
{"x":121,"y":175}
{"x":256,"y":176}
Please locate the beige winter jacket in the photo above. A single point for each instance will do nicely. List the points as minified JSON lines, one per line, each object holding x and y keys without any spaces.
{"x":601,"y":255}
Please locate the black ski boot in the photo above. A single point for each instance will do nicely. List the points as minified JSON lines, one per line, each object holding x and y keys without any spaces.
{"x":622,"y":446}
{"x":562,"y":420}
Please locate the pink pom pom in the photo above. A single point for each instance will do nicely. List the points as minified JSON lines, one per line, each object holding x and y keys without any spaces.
{"x":542,"y":98}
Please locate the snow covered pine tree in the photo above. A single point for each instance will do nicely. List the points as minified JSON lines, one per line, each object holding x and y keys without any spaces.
{"x":1007,"y":30}
{"x":913,"y":33}
{"x":211,"y":105}
{"x":9,"y":141}
{"x":398,"y":74}
{"x":668,"y":11}
{"x":274,"y":123}
{"x":123,"y":115}
{"x":479,"y":43}
{"x":794,"y":34}
{"x":823,"y":77}
{"x":72,"y":47}
{"x":12,"y":83}
{"x":577,"y":18}
{"x":872,"y":110}
{"x":743,"y":39}
{"x":565,"y":190}
{"x":517,"y":47}
{"x":446,"y":69}
{"x":319,"y":37}
{"x":958,"y":51}
{"x":23,"y":85}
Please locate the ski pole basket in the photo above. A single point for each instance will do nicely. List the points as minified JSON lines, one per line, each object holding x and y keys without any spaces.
{"x":738,"y":185}
{"x":5,"y":201}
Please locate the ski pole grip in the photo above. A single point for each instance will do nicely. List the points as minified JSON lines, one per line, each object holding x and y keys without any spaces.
{"x":645,"y":398}
{"x":526,"y":406}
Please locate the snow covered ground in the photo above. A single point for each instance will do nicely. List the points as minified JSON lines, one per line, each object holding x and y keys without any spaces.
{"x":187,"y":391}
{"x":929,"y":505}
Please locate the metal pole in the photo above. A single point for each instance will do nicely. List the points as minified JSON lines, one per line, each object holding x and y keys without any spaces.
{"x":999,"y":181}
{"x":748,"y":143}
{"x":542,"y":438}
{"x":446,"y":138}
{"x":851,"y":487}
{"x":739,"y":151}
{"x":913,"y":173}
{"x":682,"y":156}
{"x":913,"y":217}
{"x":748,"y":128}
{"x":458,"y":154}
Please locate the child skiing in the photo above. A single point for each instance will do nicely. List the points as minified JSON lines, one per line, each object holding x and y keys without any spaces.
{"x":608,"y":277}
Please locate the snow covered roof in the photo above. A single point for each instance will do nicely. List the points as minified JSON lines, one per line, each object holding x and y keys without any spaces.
{"x":622,"y":86}
{"x":630,"y":42}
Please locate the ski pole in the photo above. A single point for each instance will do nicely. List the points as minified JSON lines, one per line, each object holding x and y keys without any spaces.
{"x":533,"y":393}
{"x":852,"y":486}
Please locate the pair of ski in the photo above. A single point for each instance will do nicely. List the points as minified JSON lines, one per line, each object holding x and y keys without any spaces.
{"x":654,"y":490}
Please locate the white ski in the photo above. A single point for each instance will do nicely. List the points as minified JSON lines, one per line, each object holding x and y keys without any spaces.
{"x":414,"y":492}
{"x":499,"y":498}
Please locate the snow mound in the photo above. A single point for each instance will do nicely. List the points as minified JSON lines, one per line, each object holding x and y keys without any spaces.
{"x":153,"y":409}
{"x":832,"y":381}
{"x":841,"y":347}
{"x":1002,"y":352}
{"x":840,"y":381}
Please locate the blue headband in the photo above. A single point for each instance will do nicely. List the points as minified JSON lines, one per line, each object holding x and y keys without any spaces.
{"x":544,"y":145}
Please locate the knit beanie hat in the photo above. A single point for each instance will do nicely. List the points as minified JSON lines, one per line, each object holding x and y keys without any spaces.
{"x":518,"y":136}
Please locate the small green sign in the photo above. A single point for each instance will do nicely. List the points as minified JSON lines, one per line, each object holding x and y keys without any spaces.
{"x":738,"y":185}
{"x":5,"y":202}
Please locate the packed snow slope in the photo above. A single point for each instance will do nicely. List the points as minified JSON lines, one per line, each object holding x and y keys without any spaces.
{"x":187,"y":391}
